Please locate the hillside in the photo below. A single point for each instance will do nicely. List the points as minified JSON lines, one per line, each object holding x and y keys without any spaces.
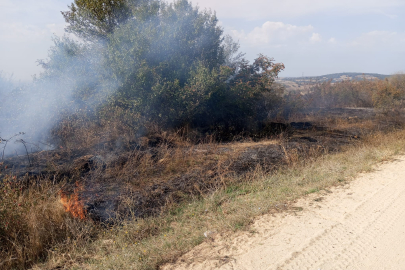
{"x":302,"y":83}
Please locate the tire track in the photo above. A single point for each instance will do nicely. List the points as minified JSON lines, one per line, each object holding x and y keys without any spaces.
{"x":346,"y":241}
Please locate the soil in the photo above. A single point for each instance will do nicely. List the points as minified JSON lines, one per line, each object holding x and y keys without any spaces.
{"x":360,"y":225}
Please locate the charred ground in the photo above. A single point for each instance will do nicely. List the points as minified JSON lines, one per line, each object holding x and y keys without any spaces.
{"x":165,"y":168}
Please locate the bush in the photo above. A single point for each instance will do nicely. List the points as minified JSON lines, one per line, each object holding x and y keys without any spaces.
{"x":390,"y":94}
{"x":343,"y":94}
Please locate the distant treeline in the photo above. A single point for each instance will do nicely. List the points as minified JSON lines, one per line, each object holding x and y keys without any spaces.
{"x":386,"y":94}
{"x":337,"y":76}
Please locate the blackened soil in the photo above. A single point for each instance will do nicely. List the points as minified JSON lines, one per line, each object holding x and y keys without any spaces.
{"x":115,"y":185}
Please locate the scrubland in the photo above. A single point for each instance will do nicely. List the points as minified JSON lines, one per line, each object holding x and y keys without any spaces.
{"x":143,"y":136}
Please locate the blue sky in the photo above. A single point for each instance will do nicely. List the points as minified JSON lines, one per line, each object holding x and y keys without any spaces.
{"x":311,"y":37}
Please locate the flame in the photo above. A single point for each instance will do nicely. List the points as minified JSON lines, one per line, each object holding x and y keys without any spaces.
{"x":72,"y":203}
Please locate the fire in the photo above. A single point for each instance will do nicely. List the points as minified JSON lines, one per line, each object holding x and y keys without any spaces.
{"x":72,"y":203}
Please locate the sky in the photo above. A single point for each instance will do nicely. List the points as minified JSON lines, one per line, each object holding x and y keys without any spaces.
{"x":311,"y":37}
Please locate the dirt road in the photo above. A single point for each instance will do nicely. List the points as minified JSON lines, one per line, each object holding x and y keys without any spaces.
{"x":357,"y":226}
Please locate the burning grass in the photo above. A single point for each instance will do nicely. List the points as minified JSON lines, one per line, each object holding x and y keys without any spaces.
{"x":73,"y":203}
{"x":33,"y":223}
{"x":143,"y":207}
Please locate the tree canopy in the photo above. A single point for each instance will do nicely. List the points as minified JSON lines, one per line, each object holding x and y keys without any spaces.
{"x":96,"y":19}
{"x":169,"y":63}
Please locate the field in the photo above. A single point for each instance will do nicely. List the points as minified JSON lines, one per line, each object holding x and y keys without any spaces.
{"x":145,"y":203}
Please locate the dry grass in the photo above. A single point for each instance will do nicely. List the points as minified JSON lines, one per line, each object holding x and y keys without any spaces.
{"x":149,"y":242}
{"x":201,"y":187}
{"x":33,"y":224}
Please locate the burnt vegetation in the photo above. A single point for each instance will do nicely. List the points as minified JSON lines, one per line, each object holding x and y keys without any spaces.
{"x":153,"y":106}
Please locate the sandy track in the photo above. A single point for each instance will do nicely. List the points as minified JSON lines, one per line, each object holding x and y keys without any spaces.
{"x":357,"y":226}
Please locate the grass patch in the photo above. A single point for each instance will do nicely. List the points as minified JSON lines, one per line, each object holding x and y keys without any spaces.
{"x":150,"y":242}
{"x":313,"y":190}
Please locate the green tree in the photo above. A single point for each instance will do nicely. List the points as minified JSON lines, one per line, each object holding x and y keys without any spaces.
{"x":169,"y":64}
{"x":96,"y":19}
{"x":243,"y":97}
{"x":156,"y":56}
{"x":233,"y":57}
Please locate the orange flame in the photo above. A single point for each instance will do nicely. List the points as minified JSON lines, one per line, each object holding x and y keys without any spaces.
{"x":72,"y":203}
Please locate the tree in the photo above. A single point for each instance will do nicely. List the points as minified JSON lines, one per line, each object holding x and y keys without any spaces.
{"x":387,"y":96}
{"x":243,"y":96}
{"x":156,"y":55}
{"x":171,"y":62}
{"x":94,"y":20}
{"x":233,"y":57}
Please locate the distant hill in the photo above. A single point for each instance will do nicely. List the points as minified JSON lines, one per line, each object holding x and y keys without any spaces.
{"x":302,"y":83}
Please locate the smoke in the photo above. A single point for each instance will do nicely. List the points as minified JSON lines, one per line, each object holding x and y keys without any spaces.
{"x":156,"y":64}
{"x":71,"y":82}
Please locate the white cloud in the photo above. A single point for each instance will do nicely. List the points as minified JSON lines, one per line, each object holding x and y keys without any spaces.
{"x":332,"y":41}
{"x":260,"y":9}
{"x":315,"y":38}
{"x":380,"y":40}
{"x":26,"y":27}
{"x":275,"y":34}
